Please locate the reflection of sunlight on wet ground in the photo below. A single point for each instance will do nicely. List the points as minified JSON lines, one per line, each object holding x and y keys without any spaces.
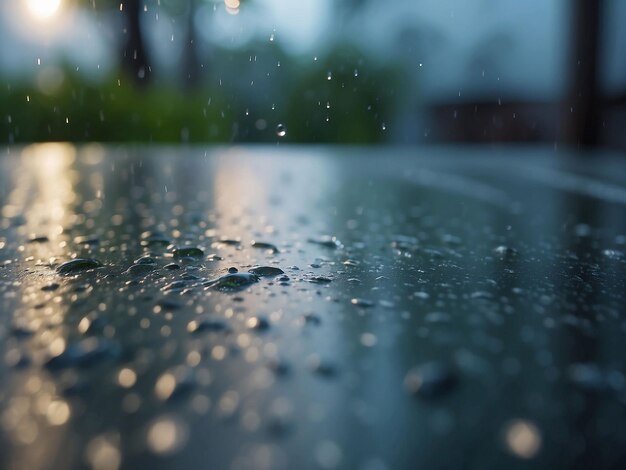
{"x":42,"y":197}
{"x":48,"y":167}
{"x":306,"y":366}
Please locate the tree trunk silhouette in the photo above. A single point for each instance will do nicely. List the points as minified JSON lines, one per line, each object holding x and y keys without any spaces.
{"x":191,"y":65}
{"x":583,"y":107}
{"x":134,"y":54}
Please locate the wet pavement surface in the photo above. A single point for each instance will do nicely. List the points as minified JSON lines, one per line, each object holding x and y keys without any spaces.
{"x":304,"y":307}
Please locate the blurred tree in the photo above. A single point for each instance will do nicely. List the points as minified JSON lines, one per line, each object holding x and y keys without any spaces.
{"x":191,"y":68}
{"x":134,"y":55}
{"x":134,"y":51}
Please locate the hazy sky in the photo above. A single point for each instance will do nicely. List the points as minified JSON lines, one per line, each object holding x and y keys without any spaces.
{"x":470,"y":47}
{"x":86,"y":40}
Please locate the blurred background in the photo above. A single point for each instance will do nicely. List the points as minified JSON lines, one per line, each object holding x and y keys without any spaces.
{"x":324,"y":71}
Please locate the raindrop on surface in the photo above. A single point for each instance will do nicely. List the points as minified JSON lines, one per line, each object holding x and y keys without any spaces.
{"x":84,"y":353}
{"x":264,"y":246}
{"x":281,"y":130}
{"x":504,"y":251}
{"x":327,"y":241}
{"x":429,"y":380}
{"x":613,"y":254}
{"x":188,"y":252}
{"x":364,"y":303}
{"x":233,"y":282}
{"x":319,"y":280}
{"x":259,"y":323}
{"x":266,"y":271}
{"x":206,"y":323}
{"x":78,"y":265}
{"x":322,"y":366}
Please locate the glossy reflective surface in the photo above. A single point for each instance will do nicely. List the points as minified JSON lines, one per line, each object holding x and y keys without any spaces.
{"x":407,"y":308}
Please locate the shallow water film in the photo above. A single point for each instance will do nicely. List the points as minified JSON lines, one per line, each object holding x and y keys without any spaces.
{"x":287,"y":307}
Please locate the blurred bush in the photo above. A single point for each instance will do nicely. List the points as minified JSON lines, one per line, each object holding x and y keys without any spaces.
{"x":338,"y":98}
{"x":112,"y":112}
{"x":341,"y":99}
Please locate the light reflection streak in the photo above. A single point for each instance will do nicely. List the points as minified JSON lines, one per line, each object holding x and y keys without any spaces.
{"x":36,"y":416}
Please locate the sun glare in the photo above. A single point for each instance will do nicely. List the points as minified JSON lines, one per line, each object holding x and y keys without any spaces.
{"x":43,"y":9}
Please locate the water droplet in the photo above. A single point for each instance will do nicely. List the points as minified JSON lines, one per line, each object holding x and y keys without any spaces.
{"x":266,"y":271}
{"x":84,"y":353}
{"x":258,"y":323}
{"x":50,"y":287}
{"x":429,"y":380}
{"x":40,"y":239}
{"x":78,"y":265}
{"x":364,"y":303}
{"x":188,"y":252}
{"x":233,"y":282}
{"x":91,"y":324}
{"x":206,"y":323}
{"x":322,"y":366}
{"x":174,"y":383}
{"x":280,"y":366}
{"x":613,"y":254}
{"x":326,"y":240}
{"x":154,"y":238}
{"x":312,"y":319}
{"x":281,"y":130}
{"x":505,"y":251}
{"x":140,"y":270}
{"x":265,"y":246}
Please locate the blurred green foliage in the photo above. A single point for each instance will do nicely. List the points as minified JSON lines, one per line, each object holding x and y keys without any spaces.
{"x":243,"y":97}
{"x":107,"y":112}
{"x":342,"y":99}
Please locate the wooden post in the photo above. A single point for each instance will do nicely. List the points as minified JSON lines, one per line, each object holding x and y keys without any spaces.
{"x":583,"y":107}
